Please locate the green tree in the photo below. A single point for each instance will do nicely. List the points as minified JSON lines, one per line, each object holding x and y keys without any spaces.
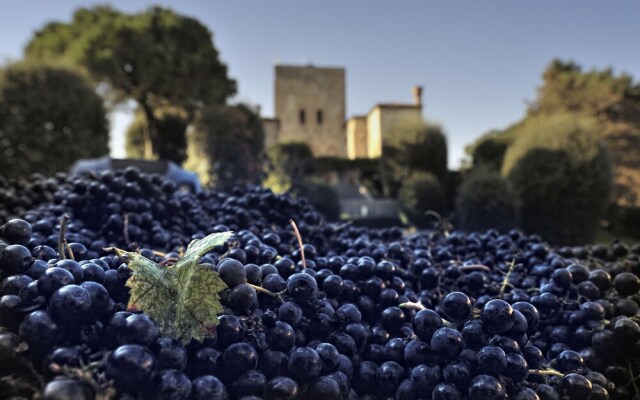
{"x":561,"y":172}
{"x":419,"y":194}
{"x":410,"y":149}
{"x":486,"y":200}
{"x":226,"y":146}
{"x":289,"y":164}
{"x":50,"y":116}
{"x":154,"y":58}
{"x":172,"y":127}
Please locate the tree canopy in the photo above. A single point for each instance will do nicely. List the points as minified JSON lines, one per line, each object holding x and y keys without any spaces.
{"x":50,"y":116}
{"x":155,"y":58}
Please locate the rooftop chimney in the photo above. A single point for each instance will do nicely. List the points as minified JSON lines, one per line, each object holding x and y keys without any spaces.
{"x":417,"y":95}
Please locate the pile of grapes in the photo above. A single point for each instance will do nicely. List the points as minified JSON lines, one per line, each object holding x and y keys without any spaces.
{"x":352,"y":313}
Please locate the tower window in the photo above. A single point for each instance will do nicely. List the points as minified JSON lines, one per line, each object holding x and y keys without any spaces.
{"x":302,"y":116}
{"x":319,"y":117}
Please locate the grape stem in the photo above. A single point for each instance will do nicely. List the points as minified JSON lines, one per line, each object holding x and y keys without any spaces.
{"x":297,"y":233}
{"x":412,"y":305}
{"x":265,"y":291}
{"x":126,"y":228}
{"x":548,"y":371}
{"x":62,"y":241}
{"x":633,"y":380}
{"x":505,"y":281}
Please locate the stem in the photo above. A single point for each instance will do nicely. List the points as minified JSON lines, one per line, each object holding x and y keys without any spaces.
{"x":297,"y":232}
{"x":263,"y":290}
{"x":412,"y":305}
{"x":633,"y":380}
{"x":61,"y":239}
{"x":126,"y":228}
{"x":66,"y":246}
{"x":549,"y":371}
{"x":505,"y":281}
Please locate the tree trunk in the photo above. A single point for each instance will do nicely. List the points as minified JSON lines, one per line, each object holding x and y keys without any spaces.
{"x":151,"y":130}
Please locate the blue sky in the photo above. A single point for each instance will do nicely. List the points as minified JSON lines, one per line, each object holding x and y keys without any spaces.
{"x":479,"y":61}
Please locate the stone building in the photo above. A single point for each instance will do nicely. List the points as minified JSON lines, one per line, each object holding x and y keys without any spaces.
{"x":310,"y":107}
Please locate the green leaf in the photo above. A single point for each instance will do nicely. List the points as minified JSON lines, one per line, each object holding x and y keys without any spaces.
{"x":183,"y":299}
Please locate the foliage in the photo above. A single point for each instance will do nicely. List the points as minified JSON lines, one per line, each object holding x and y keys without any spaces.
{"x":486,"y":200}
{"x":226,"y":146}
{"x":451,"y":184}
{"x":323,"y":198}
{"x":172,"y":128}
{"x":419,"y":194}
{"x":289,"y":165}
{"x":410,"y":149}
{"x":155,"y":58}
{"x":602,"y":94}
{"x":184,"y":298}
{"x":561,"y":173}
{"x":50,"y":116}
{"x":489,"y":149}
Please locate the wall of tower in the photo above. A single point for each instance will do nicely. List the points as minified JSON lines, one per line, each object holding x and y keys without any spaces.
{"x":357,"y":137}
{"x":310,"y":106}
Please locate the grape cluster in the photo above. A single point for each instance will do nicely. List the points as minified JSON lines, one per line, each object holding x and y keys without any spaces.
{"x":367,"y":313}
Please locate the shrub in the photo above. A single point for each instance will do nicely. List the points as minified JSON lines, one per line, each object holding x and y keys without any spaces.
{"x":171,"y":143}
{"x":323,"y":198}
{"x":50,"y":116}
{"x":561,"y":173}
{"x":226,"y":146}
{"x":486,"y":200}
{"x":289,"y":164}
{"x":411,"y":149}
{"x":419,"y":194}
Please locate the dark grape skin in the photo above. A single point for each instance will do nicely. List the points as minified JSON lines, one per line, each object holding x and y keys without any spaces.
{"x":204,"y":362}
{"x":497,"y":316}
{"x":302,"y":287}
{"x":170,"y":384}
{"x":447,"y":343}
{"x":130,"y":366}
{"x":15,"y":259}
{"x":457,"y":306}
{"x":66,"y":388}
{"x":138,"y":329}
{"x":16,"y":231}
{"x":53,"y":279}
{"x":281,"y":388}
{"x":575,"y":386}
{"x":305,"y":364}
{"x":492,"y":360}
{"x":486,"y":387}
{"x":232,"y":272}
{"x":40,"y":331}
{"x":238,"y":358}
{"x":281,"y":337}
{"x":169,"y":353}
{"x":208,"y":387}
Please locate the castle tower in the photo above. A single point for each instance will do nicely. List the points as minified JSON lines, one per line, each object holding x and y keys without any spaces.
{"x":310,"y":108}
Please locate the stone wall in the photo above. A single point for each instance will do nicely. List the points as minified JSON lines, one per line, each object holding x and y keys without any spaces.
{"x":357,"y":137}
{"x":310,"y":105}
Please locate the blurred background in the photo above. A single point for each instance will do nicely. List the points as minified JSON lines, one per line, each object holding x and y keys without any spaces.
{"x":476,"y":114}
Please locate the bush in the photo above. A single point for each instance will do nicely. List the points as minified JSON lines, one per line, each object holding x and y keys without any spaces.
{"x":419,"y":194}
{"x":411,"y":149}
{"x":172,"y":140}
{"x":50,"y":116}
{"x":486,"y":200}
{"x":561,"y":173}
{"x":226,"y":146}
{"x":289,"y":164}
{"x":323,"y":198}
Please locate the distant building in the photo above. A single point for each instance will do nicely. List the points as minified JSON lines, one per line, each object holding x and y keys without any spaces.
{"x":310,"y":107}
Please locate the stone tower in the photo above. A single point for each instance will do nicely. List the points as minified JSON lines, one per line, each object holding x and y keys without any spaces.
{"x":310,"y":108}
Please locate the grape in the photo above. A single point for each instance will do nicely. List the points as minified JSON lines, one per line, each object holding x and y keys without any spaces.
{"x":131,"y":367}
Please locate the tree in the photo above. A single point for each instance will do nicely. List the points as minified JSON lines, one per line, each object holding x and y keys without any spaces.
{"x":410,"y":149}
{"x":560,"y":170}
{"x":289,"y":164}
{"x":50,"y":116}
{"x":172,"y":127}
{"x":226,"y":146}
{"x":420,"y":194}
{"x":155,"y":58}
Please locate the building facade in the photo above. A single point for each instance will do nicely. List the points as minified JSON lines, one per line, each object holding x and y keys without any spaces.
{"x":310,"y":107}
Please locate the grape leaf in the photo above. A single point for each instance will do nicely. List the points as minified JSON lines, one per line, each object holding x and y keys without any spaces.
{"x":183,"y":299}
